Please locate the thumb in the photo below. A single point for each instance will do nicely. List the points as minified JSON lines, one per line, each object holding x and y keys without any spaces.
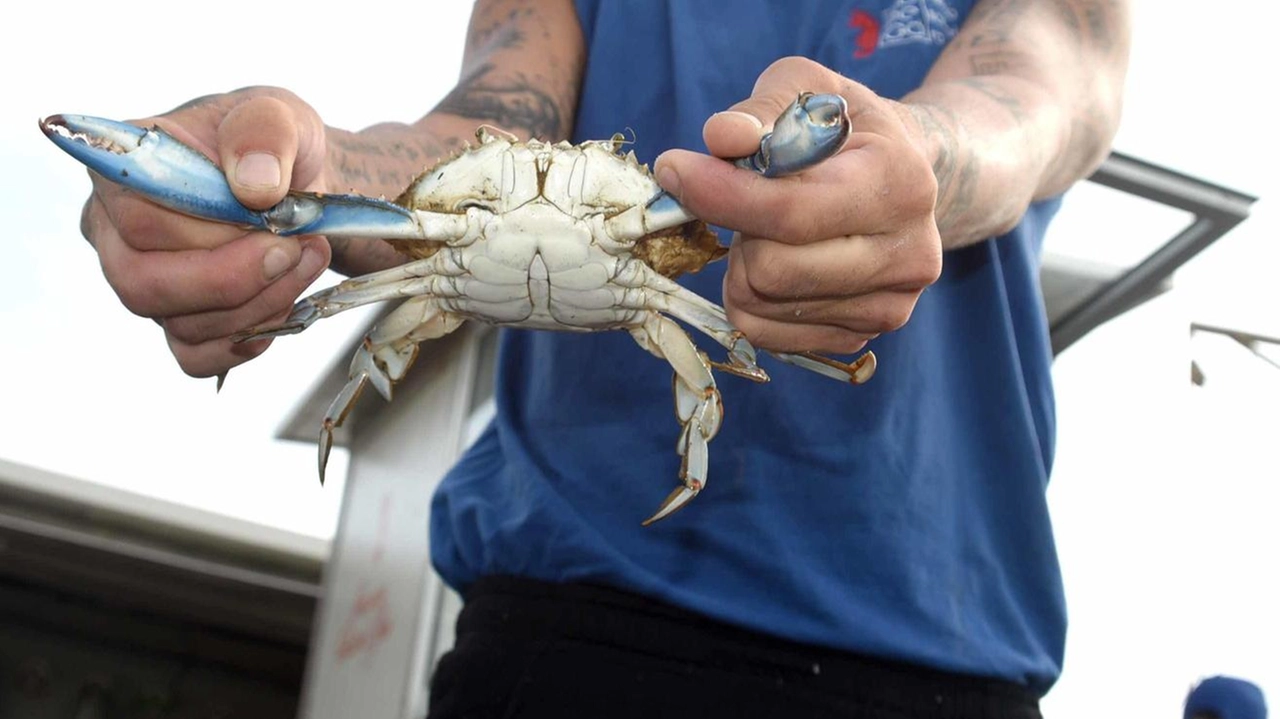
{"x":733,"y":133}
{"x":269,"y":144}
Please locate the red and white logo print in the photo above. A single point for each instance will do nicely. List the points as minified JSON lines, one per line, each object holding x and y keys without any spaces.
{"x":904,"y":22}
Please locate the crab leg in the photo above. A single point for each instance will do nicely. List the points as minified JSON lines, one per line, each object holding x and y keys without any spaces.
{"x":710,"y":318}
{"x":810,"y":130}
{"x":665,"y":295}
{"x":401,"y":281}
{"x":855,"y":372}
{"x":383,"y":358}
{"x":169,"y":173}
{"x":698,"y":405}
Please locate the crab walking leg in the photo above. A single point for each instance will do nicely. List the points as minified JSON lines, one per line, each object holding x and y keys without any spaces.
{"x":383,"y":358}
{"x":406,"y":280}
{"x":655,"y":291}
{"x":856,"y":372}
{"x":710,"y":318}
{"x":698,"y":404}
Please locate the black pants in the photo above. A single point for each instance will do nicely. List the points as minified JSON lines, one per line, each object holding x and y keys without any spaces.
{"x":531,"y":649}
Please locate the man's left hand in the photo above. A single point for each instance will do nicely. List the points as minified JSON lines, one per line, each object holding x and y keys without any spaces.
{"x":829,"y":258}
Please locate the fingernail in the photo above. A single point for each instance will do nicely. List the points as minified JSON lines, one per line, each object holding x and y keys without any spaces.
{"x":669,"y":180}
{"x":755,"y":121}
{"x":312,"y":262}
{"x":258,"y":169}
{"x":276,"y":262}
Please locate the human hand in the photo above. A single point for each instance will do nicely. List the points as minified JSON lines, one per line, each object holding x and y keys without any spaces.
{"x":829,"y":258}
{"x":204,"y":281}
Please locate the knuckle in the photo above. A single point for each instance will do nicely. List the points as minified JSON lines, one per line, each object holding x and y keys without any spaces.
{"x":892,"y":314}
{"x":268,"y":91}
{"x":738,"y":294}
{"x":920,"y":264}
{"x":89,"y":219}
{"x":132,"y":299}
{"x":211,"y":358}
{"x":832,"y":339}
{"x":769,"y":275}
{"x":189,"y":357}
{"x":752,"y":327}
{"x":922,"y":190}
{"x":928,"y":265}
{"x":129,"y":286}
{"x":934,"y":270}
{"x":190,"y":329}
{"x":136,"y":222}
{"x":739,"y":318}
{"x":922,"y":269}
{"x":848,"y":343}
{"x":891,"y":320}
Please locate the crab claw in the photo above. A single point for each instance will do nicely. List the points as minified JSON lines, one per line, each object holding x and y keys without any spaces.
{"x":166,"y":171}
{"x":810,"y":130}
{"x":150,"y":162}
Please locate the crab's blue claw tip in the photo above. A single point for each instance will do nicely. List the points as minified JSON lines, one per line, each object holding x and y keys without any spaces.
{"x":810,"y":130}
{"x":102,"y":145}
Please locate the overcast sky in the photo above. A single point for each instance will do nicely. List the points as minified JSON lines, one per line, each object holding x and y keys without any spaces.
{"x":1164,"y":496}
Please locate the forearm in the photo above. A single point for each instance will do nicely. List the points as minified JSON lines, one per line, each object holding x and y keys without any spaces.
{"x":521,"y":70}
{"x":1024,"y":102}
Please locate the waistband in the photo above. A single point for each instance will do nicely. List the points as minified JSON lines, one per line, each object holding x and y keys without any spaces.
{"x":528,"y":610}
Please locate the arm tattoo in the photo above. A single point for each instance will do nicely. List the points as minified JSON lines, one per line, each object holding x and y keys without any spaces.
{"x":492,"y":91}
{"x":361,"y":159}
{"x":513,"y":103}
{"x":997,"y":93}
{"x":1089,"y":22}
{"x":498,"y":33}
{"x":509,"y":80}
{"x":1099,"y":18}
{"x":955,"y":168}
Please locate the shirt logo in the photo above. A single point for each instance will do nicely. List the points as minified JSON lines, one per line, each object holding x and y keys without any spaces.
{"x":904,"y":22}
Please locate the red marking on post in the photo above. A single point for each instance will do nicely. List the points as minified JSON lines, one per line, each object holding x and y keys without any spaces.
{"x":367,"y":624}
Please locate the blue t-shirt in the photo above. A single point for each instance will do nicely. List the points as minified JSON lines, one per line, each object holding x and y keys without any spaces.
{"x":905,"y":518}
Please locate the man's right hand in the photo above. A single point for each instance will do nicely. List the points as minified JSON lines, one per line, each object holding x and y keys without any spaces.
{"x":203,"y":281}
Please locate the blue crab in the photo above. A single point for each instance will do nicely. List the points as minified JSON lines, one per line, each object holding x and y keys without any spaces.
{"x":521,"y":234}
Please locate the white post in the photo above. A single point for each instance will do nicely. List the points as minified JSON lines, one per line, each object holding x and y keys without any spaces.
{"x":384,"y":614}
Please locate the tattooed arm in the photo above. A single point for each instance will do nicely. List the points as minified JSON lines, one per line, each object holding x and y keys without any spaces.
{"x":203,"y":282}
{"x":1023,"y":102}
{"x":521,"y":70}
